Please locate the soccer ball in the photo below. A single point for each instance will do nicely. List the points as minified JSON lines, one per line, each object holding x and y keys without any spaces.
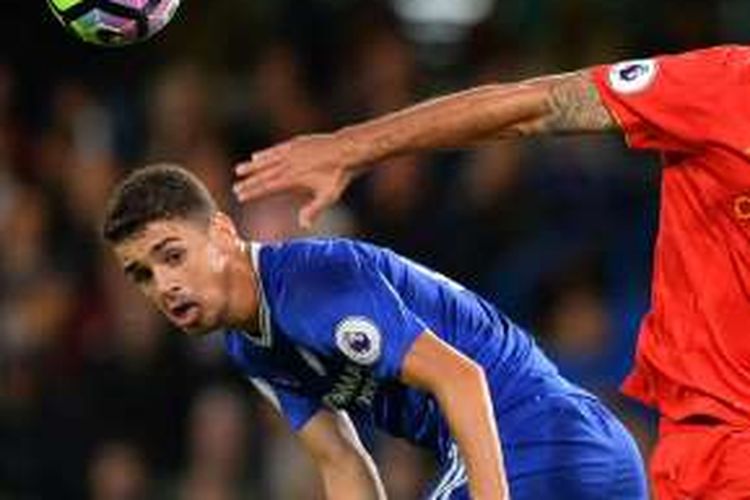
{"x":114,"y":22}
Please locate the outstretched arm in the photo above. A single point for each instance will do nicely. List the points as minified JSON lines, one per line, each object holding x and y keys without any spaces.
{"x":323,"y":165}
{"x":567,"y":103}
{"x":460,"y":387}
{"x":347,"y":470}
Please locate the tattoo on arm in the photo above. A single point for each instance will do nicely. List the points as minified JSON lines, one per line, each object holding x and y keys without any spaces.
{"x":575,"y":106}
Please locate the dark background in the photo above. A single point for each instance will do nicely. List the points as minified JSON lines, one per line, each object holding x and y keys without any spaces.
{"x":100,"y":399}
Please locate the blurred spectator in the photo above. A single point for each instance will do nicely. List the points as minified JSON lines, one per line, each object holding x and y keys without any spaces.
{"x":217,"y":467}
{"x":37,"y":304}
{"x":136,"y":379}
{"x":180,"y":115}
{"x":281,"y":96}
{"x":117,"y":472}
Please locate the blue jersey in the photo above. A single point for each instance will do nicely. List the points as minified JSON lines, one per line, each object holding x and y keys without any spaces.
{"x":337,"y":319}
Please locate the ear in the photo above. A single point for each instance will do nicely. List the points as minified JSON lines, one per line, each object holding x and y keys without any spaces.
{"x":222,"y":227}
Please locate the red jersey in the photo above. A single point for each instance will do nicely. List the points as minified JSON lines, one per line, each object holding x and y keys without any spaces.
{"x":693,"y":354}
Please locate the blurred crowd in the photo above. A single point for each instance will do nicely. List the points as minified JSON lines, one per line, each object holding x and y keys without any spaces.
{"x":100,"y":399}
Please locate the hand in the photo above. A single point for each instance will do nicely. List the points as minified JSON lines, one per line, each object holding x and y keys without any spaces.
{"x":316,"y":165}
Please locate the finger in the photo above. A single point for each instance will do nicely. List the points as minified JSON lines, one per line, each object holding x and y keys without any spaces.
{"x":263,"y":177}
{"x":250,"y":189}
{"x":244,"y":168}
{"x":272,"y":154}
{"x":309,"y":213}
{"x":260,"y":161}
{"x":255,"y":165}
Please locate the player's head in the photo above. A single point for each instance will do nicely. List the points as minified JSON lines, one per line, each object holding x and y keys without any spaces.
{"x":174,"y":243}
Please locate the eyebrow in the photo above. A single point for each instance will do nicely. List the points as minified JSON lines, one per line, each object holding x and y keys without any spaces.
{"x":132,"y":267}
{"x":158,"y":246}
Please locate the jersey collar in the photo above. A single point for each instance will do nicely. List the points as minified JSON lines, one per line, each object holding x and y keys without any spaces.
{"x":264,"y":337}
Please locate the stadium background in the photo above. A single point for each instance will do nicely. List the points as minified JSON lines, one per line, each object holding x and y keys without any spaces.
{"x":100,"y":399}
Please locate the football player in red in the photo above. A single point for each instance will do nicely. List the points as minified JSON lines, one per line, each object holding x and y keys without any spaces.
{"x":693,"y":355}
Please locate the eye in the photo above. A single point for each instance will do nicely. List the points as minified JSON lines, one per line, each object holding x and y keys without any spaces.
{"x":173,"y":256}
{"x":141,"y":275}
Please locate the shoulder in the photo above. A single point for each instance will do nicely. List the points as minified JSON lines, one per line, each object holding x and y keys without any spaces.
{"x":308,"y":274}
{"x":698,"y":65}
{"x":317,"y":279}
{"x":726,"y":54}
{"x":313,"y":256}
{"x":735,"y":60}
{"x":720,"y":62}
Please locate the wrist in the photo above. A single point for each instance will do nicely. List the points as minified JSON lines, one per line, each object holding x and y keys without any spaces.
{"x":495,"y":492}
{"x":360,"y":146}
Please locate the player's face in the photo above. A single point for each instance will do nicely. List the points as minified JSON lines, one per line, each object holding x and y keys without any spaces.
{"x":181,"y":266}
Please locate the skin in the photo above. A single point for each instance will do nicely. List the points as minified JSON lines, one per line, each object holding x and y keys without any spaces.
{"x":347,"y":471}
{"x":167,"y":260}
{"x":321,"y":166}
{"x":204,"y":265}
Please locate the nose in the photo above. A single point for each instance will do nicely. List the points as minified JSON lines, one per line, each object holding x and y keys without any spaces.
{"x":167,"y":284}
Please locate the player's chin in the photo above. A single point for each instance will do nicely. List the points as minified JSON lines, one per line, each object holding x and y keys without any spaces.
{"x":199,"y":327}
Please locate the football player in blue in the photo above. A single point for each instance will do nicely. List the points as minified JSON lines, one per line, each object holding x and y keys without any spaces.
{"x":343,"y":337}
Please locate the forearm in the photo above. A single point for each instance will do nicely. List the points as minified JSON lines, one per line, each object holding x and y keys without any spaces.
{"x":346,"y":468}
{"x":454,"y":120}
{"x":566,"y":103}
{"x":352,"y":479}
{"x":467,"y":407}
{"x":321,"y":166}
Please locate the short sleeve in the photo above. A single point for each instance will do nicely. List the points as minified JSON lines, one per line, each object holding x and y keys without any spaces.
{"x":296,"y":408}
{"x":675,"y":102}
{"x":338,"y":304}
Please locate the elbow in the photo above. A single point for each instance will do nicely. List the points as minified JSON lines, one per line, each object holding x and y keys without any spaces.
{"x":469,"y":369}
{"x":465,"y":377}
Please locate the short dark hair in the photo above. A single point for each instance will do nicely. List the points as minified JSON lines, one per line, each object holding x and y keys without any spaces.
{"x":152,"y":193}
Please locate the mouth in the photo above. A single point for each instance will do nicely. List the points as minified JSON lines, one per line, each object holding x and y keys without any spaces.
{"x":184,"y":314}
